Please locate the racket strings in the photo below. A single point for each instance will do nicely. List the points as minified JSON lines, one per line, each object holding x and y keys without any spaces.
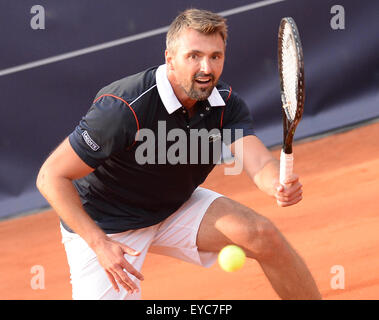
{"x":289,"y":73}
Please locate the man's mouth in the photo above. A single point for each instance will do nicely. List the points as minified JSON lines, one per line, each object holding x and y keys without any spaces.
{"x":203,"y":80}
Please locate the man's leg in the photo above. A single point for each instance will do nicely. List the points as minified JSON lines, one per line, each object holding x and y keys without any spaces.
{"x":228,"y":222}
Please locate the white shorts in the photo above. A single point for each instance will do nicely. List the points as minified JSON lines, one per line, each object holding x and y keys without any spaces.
{"x":174,"y":237}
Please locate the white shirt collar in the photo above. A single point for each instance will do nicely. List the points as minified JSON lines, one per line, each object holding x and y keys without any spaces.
{"x":167,"y":95}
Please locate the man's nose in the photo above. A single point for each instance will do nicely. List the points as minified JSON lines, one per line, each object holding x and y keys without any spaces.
{"x":205,"y":66}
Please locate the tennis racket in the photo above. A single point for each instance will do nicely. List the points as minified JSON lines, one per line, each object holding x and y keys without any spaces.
{"x":291,"y":74}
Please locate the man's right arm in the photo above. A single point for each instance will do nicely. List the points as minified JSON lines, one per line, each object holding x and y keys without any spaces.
{"x":54,"y":181}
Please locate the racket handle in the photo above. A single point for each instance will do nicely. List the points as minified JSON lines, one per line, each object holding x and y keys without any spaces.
{"x":286,"y":166}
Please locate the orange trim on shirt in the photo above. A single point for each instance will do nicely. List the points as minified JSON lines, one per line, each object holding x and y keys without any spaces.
{"x":135,"y":116}
{"x":223,"y":109}
{"x":230,"y":93}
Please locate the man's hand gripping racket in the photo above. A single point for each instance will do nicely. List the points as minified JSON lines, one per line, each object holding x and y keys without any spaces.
{"x":291,"y":74}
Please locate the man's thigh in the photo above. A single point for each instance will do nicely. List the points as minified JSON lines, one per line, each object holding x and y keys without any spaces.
{"x":229,"y":222}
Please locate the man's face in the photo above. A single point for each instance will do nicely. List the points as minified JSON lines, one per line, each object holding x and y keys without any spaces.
{"x":196,"y":64}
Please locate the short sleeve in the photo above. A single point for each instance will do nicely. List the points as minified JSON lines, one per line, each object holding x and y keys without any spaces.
{"x":237,"y":121}
{"x":109,"y":127}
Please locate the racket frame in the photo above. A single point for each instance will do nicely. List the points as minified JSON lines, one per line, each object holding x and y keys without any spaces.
{"x":289,"y":126}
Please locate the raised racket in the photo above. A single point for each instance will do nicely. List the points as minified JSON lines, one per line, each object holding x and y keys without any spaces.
{"x":291,"y":74}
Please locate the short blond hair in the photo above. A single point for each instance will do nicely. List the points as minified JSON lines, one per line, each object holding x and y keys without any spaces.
{"x":203,"y":21}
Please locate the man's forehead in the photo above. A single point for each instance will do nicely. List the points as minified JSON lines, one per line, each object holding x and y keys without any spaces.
{"x":193,"y":40}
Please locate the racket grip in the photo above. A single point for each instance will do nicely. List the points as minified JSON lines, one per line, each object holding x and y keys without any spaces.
{"x":286,"y":166}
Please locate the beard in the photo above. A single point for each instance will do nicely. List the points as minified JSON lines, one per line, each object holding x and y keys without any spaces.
{"x":200,"y":93}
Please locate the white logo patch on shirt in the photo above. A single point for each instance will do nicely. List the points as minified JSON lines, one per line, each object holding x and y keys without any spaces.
{"x":92,"y":144}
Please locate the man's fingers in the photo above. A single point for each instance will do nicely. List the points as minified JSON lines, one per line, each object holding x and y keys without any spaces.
{"x":289,"y":194}
{"x":288,"y":189}
{"x":286,"y":197}
{"x":295,"y":198}
{"x":130,"y":251}
{"x":123,"y":279}
{"x":292,"y":179}
{"x":289,"y":184}
{"x":112,"y":280}
{"x":286,"y":202}
{"x":112,"y":258}
{"x":129,"y":268}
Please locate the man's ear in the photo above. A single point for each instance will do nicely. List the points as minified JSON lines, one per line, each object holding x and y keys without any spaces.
{"x":169,"y":60}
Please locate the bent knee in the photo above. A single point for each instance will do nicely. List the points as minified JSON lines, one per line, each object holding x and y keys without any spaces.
{"x":265,"y":240}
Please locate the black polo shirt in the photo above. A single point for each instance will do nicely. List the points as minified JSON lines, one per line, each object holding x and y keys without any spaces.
{"x":138,"y":137}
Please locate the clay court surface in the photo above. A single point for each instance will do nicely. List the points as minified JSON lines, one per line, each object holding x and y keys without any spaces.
{"x":336,"y":224}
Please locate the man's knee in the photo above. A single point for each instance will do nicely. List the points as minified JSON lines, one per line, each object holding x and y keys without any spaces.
{"x":228,"y":221}
{"x":264,"y":240}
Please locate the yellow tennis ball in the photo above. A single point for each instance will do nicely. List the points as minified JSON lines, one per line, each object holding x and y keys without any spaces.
{"x":231,"y":258}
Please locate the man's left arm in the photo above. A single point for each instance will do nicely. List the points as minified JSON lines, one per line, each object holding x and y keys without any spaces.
{"x":263,"y":169}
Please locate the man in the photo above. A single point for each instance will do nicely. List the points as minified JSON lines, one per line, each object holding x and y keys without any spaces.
{"x":114,"y":208}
